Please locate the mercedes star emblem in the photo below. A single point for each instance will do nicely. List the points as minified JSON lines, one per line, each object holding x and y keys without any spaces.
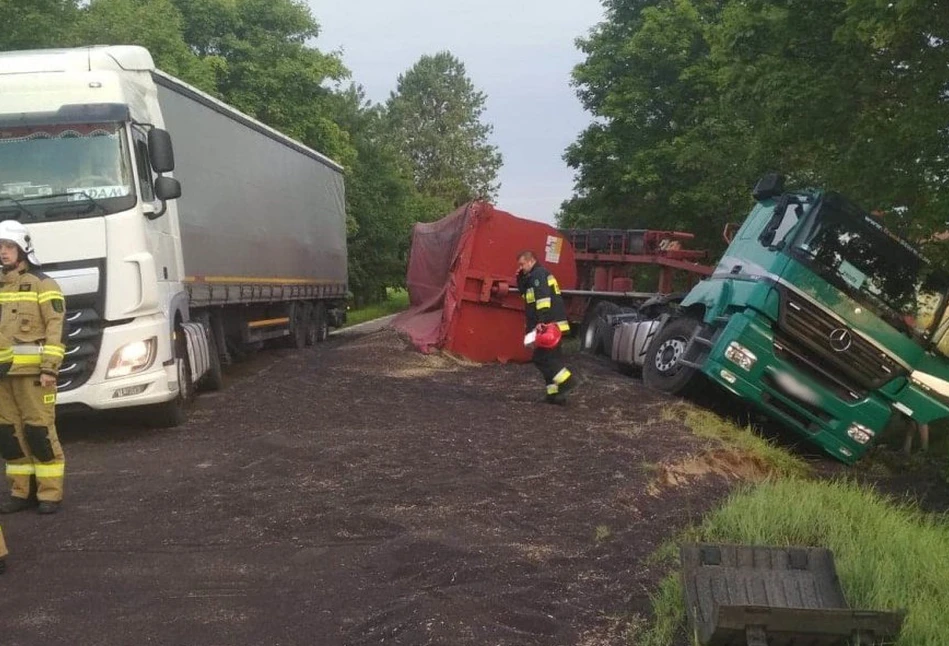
{"x":840,"y":340}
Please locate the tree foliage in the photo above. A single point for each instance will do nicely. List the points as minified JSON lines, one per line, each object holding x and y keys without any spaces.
{"x":37,"y":23}
{"x":694,"y":99}
{"x":258,"y":55}
{"x":435,"y":117}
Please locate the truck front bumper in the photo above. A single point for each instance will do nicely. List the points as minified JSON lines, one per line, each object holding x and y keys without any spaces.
{"x":154,"y":385}
{"x":844,"y":429}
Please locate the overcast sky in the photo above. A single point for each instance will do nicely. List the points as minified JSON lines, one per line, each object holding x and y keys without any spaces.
{"x":519,"y":52}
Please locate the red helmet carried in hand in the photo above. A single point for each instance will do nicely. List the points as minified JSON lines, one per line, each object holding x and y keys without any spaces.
{"x":548,"y":336}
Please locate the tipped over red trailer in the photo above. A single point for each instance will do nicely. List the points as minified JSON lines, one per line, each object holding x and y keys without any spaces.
{"x":462,"y":287}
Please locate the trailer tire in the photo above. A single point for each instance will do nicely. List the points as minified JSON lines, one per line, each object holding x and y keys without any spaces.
{"x":322,"y":322}
{"x":311,"y":328}
{"x":299,"y":321}
{"x":174,"y":412}
{"x":596,"y":334}
{"x":661,"y":369}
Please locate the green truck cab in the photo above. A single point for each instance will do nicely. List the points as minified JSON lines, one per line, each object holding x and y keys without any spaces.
{"x":818,"y":316}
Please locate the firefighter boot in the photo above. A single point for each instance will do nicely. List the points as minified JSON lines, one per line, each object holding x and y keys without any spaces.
{"x":13,"y":504}
{"x":571,"y":385}
{"x":48,"y":507}
{"x":557,"y":399}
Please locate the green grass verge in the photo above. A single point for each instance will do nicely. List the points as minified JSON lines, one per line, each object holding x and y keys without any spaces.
{"x":888,"y":556}
{"x":398,"y":301}
{"x":726,"y":434}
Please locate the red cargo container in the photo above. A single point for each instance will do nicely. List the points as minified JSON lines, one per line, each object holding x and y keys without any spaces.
{"x":460,"y":276}
{"x":462,"y":269}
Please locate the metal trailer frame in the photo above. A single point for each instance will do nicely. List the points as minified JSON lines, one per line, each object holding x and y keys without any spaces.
{"x":605,"y":259}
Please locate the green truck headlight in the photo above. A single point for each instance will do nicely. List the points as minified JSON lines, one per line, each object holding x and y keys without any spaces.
{"x":740,"y":356}
{"x":860,"y":433}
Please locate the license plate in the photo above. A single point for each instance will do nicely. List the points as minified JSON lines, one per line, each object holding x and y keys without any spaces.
{"x":792,"y":386}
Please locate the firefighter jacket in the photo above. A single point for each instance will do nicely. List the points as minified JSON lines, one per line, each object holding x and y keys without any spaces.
{"x":32,"y":309}
{"x":542,"y":299}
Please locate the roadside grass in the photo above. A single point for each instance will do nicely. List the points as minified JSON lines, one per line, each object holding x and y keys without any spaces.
{"x":724,"y":433}
{"x":889,"y":556}
{"x":397,"y":301}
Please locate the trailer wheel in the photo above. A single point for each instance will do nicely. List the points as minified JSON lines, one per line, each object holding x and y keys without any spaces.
{"x":662,"y":370}
{"x":310,"y":336}
{"x":174,"y":412}
{"x":299,"y":321}
{"x":322,"y":322}
{"x":596,"y":334}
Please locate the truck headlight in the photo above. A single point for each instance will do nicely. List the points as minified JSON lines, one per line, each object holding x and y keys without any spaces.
{"x":740,"y":356}
{"x":131,"y":358}
{"x":860,"y":433}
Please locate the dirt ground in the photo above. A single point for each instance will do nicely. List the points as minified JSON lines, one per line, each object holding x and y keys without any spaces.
{"x":359,"y":493}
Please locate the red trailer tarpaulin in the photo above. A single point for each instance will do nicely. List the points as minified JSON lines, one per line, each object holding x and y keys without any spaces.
{"x":460,"y":269}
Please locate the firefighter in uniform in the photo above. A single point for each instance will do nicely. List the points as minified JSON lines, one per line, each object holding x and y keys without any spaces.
{"x":32,"y":309}
{"x":6,"y":358}
{"x":544,"y":304}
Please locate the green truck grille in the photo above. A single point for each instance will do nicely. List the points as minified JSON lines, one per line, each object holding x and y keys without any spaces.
{"x":824,"y":346}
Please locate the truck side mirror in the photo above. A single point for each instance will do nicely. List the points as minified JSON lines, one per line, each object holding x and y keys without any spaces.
{"x":160,"y":150}
{"x":771,"y":185}
{"x":167,"y":188}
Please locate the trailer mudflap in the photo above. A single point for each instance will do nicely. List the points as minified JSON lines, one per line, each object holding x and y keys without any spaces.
{"x":742,"y":595}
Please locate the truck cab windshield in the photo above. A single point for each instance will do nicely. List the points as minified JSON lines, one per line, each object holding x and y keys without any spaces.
{"x":59,"y":172}
{"x":881,"y":272}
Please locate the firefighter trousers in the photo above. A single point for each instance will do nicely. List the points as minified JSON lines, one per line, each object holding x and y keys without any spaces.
{"x":3,"y":545}
{"x":551,"y":366}
{"x":28,"y":440}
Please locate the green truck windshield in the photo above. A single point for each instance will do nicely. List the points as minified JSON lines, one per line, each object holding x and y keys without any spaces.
{"x":877,"y":270}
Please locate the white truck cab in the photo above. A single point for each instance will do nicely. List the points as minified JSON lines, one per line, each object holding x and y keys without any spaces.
{"x":86,"y":164}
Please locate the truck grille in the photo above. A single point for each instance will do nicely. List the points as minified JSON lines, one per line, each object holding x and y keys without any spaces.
{"x":824,"y":346}
{"x":82,"y":336}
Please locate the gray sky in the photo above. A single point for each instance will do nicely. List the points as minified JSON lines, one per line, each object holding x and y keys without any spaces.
{"x":519,"y":52}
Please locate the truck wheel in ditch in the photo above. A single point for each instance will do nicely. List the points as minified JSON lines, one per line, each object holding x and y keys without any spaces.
{"x":214,"y":379}
{"x":174,"y":412}
{"x":322,"y":322}
{"x":662,"y":370}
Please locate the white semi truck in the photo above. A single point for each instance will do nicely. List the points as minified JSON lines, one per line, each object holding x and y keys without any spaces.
{"x":170,"y":261}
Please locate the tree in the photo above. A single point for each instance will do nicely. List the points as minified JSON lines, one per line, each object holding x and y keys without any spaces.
{"x":37,"y":23}
{"x":647,"y":83}
{"x":435,"y":120}
{"x":153,"y":24}
{"x":695,"y":99}
{"x":265,"y":67}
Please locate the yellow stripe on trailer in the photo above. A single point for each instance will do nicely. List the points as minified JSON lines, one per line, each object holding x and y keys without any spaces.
{"x":268,"y":323}
{"x":257,"y":280}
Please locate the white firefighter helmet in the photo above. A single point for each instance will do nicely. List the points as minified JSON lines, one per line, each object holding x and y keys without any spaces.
{"x":13,"y":231}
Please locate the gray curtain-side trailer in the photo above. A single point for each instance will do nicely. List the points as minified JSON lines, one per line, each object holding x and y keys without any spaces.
{"x":262,"y":220}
